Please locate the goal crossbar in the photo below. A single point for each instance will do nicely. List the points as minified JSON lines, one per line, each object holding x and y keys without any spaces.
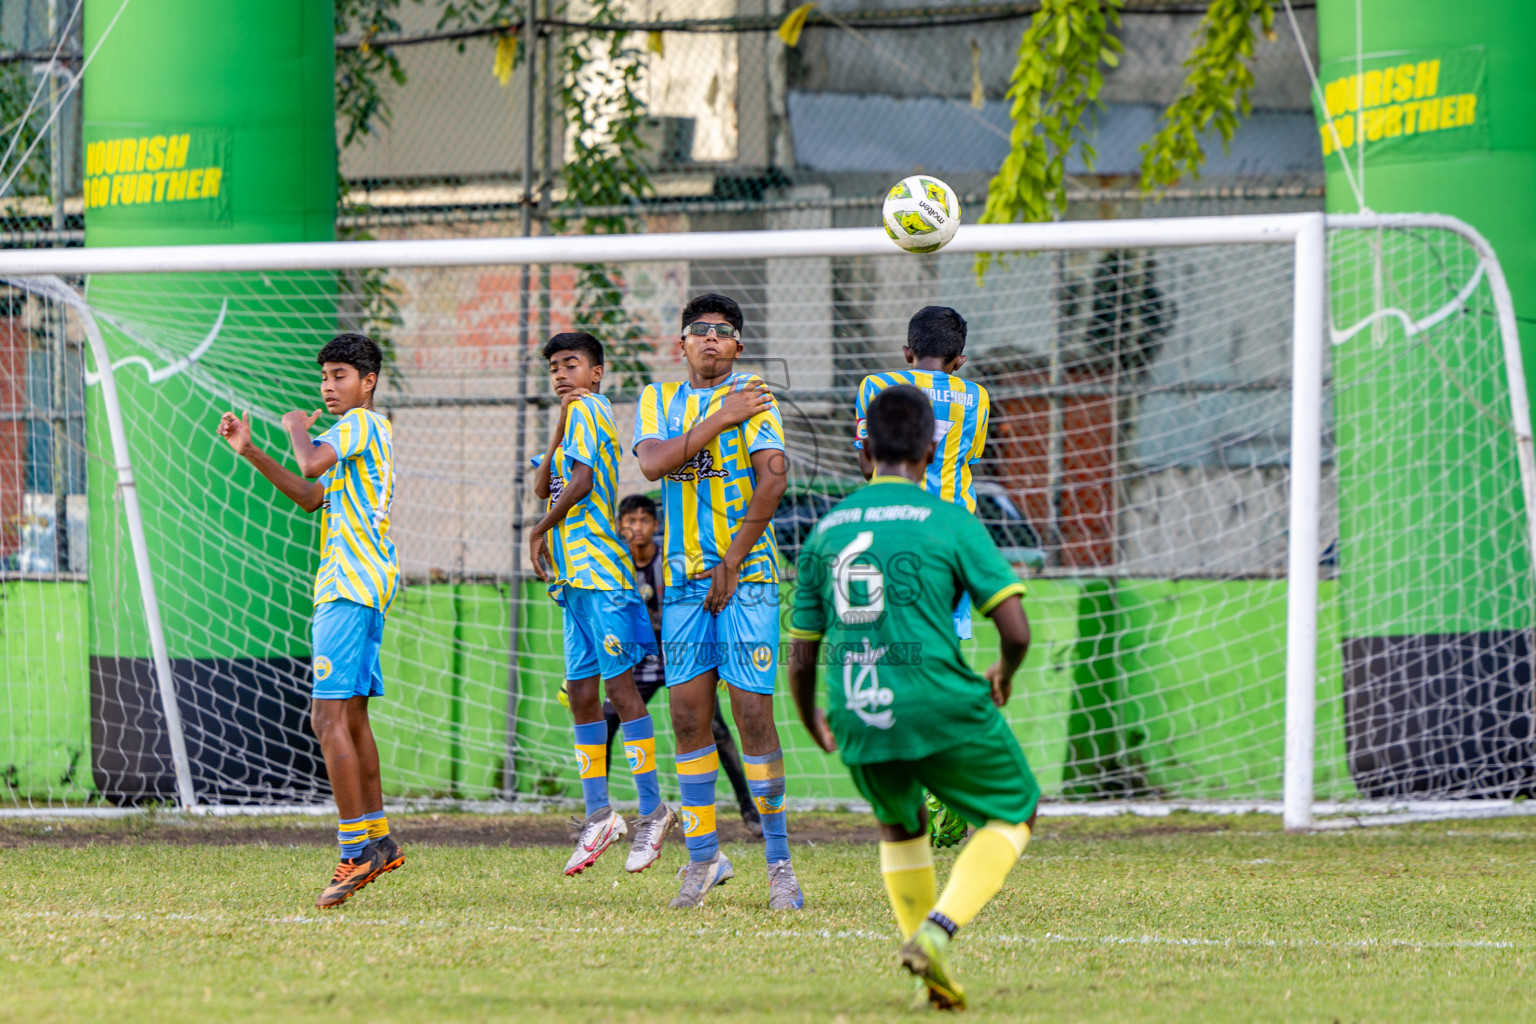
{"x":1304,"y":232}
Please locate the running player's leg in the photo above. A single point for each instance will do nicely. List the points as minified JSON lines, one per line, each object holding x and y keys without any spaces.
{"x":906,"y":863}
{"x":945,"y":827}
{"x":749,"y":632}
{"x":906,"y":859}
{"x":988,"y":782}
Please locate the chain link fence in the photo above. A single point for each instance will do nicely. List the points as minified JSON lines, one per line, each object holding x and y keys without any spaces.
{"x":736,"y":126}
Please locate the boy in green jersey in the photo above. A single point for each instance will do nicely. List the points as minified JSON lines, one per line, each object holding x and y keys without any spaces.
{"x":878,"y":582}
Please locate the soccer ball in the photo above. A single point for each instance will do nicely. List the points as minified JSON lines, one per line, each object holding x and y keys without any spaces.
{"x":921,"y":213}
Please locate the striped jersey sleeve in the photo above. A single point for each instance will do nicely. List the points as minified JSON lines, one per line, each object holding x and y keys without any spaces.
{"x":650,"y":416}
{"x":765,"y":431}
{"x":868,"y":389}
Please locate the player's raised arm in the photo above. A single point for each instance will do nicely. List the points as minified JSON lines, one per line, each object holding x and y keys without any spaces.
{"x":313,"y":458}
{"x":305,"y":493}
{"x":543,"y":466}
{"x":577,"y":440}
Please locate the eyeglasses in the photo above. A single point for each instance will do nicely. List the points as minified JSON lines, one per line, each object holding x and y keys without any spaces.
{"x":699,"y":328}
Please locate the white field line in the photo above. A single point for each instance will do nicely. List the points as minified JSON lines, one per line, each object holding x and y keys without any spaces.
{"x":797,"y":934}
{"x":1332,"y":815}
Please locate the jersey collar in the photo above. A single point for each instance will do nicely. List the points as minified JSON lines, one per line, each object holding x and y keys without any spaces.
{"x":891,"y":480}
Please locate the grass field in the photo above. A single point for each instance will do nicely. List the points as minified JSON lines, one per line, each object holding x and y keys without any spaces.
{"x":1185,"y":918}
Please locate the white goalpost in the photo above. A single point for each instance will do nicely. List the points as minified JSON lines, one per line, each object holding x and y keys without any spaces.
{"x":1268,"y":478}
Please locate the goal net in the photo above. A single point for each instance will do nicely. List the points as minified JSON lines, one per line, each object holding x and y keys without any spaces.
{"x":1139,"y":473}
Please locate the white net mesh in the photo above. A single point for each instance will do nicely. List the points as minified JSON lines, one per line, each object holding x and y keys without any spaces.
{"x":1137,"y":473}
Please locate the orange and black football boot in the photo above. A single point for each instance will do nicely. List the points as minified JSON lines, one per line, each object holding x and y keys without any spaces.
{"x":349,"y":877}
{"x":390,"y":855}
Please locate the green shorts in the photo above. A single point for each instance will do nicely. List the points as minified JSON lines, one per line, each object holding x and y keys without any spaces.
{"x":983,"y":780}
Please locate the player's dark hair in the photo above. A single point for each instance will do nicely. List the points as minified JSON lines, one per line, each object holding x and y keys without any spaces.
{"x":711,"y":302}
{"x":356,"y":350}
{"x":637,"y":503}
{"x":900,"y":425}
{"x":575,"y":341}
{"x":936,"y":332}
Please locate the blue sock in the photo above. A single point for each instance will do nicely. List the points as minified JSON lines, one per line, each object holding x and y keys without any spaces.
{"x":351,"y":837}
{"x":696,"y":773}
{"x":592,"y":763}
{"x":640,"y":751}
{"x":765,"y":777}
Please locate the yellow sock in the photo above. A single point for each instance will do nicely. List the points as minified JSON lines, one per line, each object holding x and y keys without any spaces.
{"x":908,"y":871}
{"x":378,"y":825}
{"x":980,"y":871}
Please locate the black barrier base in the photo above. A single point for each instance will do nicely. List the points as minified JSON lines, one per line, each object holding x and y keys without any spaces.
{"x":1440,"y":715}
{"x":246,"y":723}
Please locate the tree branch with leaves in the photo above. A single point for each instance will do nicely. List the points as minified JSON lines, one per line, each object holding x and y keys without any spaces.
{"x":1057,"y":81}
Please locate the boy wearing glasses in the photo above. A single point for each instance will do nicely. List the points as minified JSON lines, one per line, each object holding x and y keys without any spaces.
{"x":717,"y":440}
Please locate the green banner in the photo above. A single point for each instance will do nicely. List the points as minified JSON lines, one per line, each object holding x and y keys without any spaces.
{"x":138,"y":174}
{"x":1407,"y":105}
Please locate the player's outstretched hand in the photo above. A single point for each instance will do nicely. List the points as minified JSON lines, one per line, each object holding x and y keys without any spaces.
{"x":237,"y":431}
{"x":299,"y":419}
{"x":1002,"y":686}
{"x":740,"y":406}
{"x":538,"y":550}
{"x":822,"y":732}
{"x":722,"y":587}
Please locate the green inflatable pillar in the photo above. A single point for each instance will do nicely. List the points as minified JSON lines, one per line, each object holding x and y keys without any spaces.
{"x":1434,"y":577}
{"x":206,"y":122}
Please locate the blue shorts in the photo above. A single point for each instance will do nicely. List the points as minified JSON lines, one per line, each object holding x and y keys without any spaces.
{"x":606,"y":632}
{"x":963,"y":617}
{"x":346,"y":639}
{"x":742,"y":642}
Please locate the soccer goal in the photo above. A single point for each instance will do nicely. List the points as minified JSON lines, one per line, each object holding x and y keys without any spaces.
{"x":1267,"y":477}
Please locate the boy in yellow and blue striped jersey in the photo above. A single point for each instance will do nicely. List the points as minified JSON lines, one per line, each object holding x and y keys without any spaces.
{"x":591,"y":577}
{"x":935,"y":350}
{"x":717,"y":440}
{"x":349,"y":471}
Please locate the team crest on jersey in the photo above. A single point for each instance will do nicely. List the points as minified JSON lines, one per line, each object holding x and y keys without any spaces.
{"x":635,"y":756}
{"x":690,"y":822}
{"x":762,"y":657}
{"x":322,"y":668}
{"x":613,"y":645}
{"x":583,"y":763}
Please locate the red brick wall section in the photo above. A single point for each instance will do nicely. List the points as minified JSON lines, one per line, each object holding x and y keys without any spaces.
{"x":13,"y":431}
{"x":1021,"y":437}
